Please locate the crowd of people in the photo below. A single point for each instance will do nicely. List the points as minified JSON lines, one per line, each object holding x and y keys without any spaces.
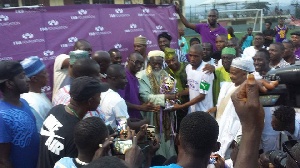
{"x":205,"y":112}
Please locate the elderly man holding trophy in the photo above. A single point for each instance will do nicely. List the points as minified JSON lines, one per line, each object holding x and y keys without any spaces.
{"x":158,"y":87}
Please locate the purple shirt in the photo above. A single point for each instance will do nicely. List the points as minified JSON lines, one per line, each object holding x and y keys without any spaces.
{"x":131,"y":94}
{"x":297,"y":53}
{"x":208,"y":36}
{"x":280,"y":33}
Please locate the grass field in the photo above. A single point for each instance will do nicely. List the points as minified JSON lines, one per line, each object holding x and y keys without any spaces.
{"x":239,"y":35}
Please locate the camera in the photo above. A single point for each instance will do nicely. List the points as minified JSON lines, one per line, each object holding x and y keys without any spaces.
{"x":287,"y":92}
{"x":120,"y":144}
{"x":277,"y":157}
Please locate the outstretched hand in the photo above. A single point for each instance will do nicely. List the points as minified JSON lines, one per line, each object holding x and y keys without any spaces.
{"x":104,"y":148}
{"x":177,"y":7}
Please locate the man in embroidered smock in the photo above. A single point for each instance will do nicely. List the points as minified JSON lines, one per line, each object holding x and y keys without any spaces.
{"x":276,"y":51}
{"x":140,"y":46}
{"x":36,"y":71}
{"x":57,"y":138}
{"x":222,"y":73}
{"x":208,"y":31}
{"x":150,"y":82}
{"x":230,"y":126}
{"x":61,"y":64}
{"x":131,"y":92}
{"x":177,"y":70}
{"x":199,"y":82}
{"x":103,"y":59}
{"x":19,"y":139}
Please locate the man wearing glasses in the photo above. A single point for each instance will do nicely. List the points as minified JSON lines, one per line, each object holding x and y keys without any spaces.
{"x":131,"y":92}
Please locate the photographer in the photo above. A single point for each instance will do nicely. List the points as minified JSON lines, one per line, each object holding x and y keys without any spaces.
{"x":286,"y":119}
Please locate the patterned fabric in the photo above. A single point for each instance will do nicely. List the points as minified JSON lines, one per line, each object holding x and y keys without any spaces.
{"x":18,"y":127}
{"x":155,"y":85}
{"x":281,"y":64}
{"x":63,"y":97}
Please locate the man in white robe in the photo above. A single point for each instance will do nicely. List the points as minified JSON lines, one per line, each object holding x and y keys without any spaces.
{"x":229,"y":123}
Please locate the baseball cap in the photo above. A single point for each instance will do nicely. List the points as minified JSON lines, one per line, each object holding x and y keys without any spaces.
{"x":9,"y":69}
{"x":85,"y":87}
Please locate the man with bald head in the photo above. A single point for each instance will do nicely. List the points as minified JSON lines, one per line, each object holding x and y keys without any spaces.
{"x":61,"y":64}
{"x":115,"y":56}
{"x":276,"y":51}
{"x":208,"y":31}
{"x":130,"y":94}
{"x":103,"y":59}
{"x":199,"y":82}
{"x":112,"y":104}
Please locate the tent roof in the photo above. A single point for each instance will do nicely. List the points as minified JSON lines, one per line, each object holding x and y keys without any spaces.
{"x":208,"y":2}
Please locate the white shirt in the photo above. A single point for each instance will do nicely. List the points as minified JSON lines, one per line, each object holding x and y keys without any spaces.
{"x":114,"y":107}
{"x":296,"y":134}
{"x":41,"y":106}
{"x":229,"y":123}
{"x":59,"y":74}
{"x":194,"y":78}
{"x":249,"y":52}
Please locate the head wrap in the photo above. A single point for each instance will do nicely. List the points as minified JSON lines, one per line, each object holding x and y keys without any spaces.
{"x":228,"y":50}
{"x":156,"y":53}
{"x":85,"y":87}
{"x":169,"y":53}
{"x":32,"y":65}
{"x":9,"y":69}
{"x":243,"y":64}
{"x":140,"y":40}
{"x":77,"y":54}
{"x":164,"y":35}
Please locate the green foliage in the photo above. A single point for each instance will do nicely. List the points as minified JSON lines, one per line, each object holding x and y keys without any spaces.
{"x":258,"y":5}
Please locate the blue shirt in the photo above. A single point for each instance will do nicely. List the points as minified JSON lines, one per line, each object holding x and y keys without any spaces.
{"x":247,"y":42}
{"x":169,"y":166}
{"x":65,"y":162}
{"x":18,"y":127}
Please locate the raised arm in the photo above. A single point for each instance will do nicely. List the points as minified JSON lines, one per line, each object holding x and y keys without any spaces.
{"x":183,"y":19}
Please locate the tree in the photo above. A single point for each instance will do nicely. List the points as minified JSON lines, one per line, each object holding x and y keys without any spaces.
{"x":258,"y":5}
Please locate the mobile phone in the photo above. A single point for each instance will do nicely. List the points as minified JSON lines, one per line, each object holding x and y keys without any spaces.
{"x":120,"y":146}
{"x":150,"y":132}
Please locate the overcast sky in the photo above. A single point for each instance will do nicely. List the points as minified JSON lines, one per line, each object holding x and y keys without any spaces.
{"x":196,"y":2}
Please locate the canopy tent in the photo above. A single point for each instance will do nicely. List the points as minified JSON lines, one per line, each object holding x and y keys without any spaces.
{"x":220,"y":2}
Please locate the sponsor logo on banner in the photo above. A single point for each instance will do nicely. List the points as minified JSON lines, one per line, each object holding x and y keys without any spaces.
{"x":119,"y":47}
{"x":46,"y":88}
{"x":53,"y":25}
{"x":133,"y":28}
{"x":99,"y":30}
{"x":71,"y":41}
{"x":174,"y":16}
{"x":119,"y":13}
{"x":5,"y":58}
{"x":146,"y":12}
{"x":28,"y":38}
{"x":159,"y":29}
{"x":48,"y":55}
{"x":83,"y":14}
{"x":31,"y":10}
{"x":150,"y":44}
{"x":4,"y":21}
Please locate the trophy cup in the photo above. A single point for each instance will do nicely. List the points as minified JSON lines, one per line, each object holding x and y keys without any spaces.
{"x":168,"y":86}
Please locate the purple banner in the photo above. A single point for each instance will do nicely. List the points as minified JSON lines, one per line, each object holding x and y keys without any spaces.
{"x":50,"y":31}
